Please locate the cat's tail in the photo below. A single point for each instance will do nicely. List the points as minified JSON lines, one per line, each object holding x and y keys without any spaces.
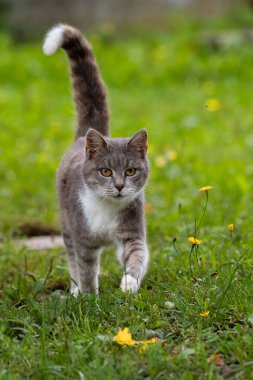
{"x":89,"y":90}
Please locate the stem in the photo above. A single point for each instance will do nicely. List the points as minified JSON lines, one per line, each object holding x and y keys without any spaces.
{"x":190,"y":259}
{"x":230,"y":243}
{"x":202,"y":265}
{"x":196,"y":253}
{"x":196,"y":228}
{"x":174,"y":245}
{"x":201,"y":219}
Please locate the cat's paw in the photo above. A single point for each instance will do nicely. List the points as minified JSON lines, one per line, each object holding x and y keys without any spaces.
{"x":74,"y":291}
{"x":129,"y":282}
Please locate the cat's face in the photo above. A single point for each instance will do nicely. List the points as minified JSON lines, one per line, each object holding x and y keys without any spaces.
{"x":116,"y":169}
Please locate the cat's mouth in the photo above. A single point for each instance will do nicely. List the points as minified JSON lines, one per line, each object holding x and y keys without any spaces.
{"x":119,"y":196}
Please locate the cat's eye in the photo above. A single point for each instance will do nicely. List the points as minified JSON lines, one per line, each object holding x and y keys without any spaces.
{"x":130,"y":172}
{"x":106,"y":172}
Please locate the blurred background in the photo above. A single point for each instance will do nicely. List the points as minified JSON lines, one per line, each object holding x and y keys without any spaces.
{"x":180,"y":68}
{"x":28,"y":18}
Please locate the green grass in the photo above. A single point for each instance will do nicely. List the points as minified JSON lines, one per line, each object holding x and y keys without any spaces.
{"x":160,"y":81}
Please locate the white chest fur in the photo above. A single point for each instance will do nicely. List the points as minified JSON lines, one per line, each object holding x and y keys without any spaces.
{"x":101,"y":214}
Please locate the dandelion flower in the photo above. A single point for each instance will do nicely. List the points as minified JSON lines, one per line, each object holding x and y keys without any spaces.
{"x":124,"y":337}
{"x":194,"y":241}
{"x":206,"y":188}
{"x":171,"y":155}
{"x":231,"y":227}
{"x":160,"y":161}
{"x":205,"y":314}
{"x":145,"y":343}
{"x":213,"y":105}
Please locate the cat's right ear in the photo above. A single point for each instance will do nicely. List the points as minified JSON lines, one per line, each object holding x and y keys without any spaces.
{"x":94,"y":142}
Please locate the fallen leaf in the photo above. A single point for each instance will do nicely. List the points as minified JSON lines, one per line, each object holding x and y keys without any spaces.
{"x":216,"y":358}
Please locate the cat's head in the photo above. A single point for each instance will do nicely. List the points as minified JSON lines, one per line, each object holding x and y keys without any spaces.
{"x":116,"y":169}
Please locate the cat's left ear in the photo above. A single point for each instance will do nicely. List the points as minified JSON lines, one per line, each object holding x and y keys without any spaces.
{"x":139,"y":142}
{"x":94,"y":143}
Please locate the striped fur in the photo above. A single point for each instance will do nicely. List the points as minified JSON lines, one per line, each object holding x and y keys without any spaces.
{"x":98,"y":210}
{"x":89,"y":90}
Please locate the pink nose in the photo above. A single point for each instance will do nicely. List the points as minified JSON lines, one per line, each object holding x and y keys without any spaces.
{"x":119,"y":186}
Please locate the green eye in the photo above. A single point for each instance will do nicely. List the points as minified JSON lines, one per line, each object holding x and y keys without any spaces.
{"x":106,"y":172}
{"x":130,"y":172}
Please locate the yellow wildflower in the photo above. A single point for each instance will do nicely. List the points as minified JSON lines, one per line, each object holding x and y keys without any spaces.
{"x":213,"y":105}
{"x":145,"y":343}
{"x":171,"y":155}
{"x":194,"y":241}
{"x":124,"y":337}
{"x":205,"y":314}
{"x":206,"y":188}
{"x":160,"y":161}
{"x":231,"y":227}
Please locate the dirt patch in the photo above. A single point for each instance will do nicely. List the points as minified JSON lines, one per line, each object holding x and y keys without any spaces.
{"x":36,"y":228}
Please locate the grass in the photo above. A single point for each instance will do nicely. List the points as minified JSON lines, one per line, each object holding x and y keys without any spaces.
{"x":163,"y":82}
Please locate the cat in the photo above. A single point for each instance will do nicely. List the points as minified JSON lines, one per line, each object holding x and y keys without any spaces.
{"x":100,"y":180}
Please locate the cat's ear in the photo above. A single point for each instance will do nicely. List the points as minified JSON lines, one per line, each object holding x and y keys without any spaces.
{"x":139,"y":142}
{"x":94,"y":143}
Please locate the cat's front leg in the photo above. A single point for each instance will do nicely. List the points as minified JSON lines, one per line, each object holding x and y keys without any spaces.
{"x":88,"y":258}
{"x":133,"y":256}
{"x":74,"y":273}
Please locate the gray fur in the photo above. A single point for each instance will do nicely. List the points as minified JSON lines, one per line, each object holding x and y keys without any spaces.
{"x":97,"y":210}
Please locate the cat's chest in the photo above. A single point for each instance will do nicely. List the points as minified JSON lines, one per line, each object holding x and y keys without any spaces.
{"x":100,"y":215}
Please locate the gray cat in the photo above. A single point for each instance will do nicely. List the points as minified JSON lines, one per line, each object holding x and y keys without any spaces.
{"x":100,"y":180}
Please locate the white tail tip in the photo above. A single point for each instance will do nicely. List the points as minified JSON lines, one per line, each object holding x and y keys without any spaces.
{"x":53,"y":39}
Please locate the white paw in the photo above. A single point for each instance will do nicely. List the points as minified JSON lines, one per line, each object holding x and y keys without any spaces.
{"x":74,"y":291}
{"x":129,"y":282}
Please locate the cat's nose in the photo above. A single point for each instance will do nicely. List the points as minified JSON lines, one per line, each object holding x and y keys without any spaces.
{"x":119,"y":186}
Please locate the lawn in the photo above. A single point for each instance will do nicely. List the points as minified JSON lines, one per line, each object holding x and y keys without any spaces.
{"x":195,"y":99}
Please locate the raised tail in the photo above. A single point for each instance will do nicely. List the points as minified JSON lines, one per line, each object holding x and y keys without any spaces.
{"x":89,"y":90}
